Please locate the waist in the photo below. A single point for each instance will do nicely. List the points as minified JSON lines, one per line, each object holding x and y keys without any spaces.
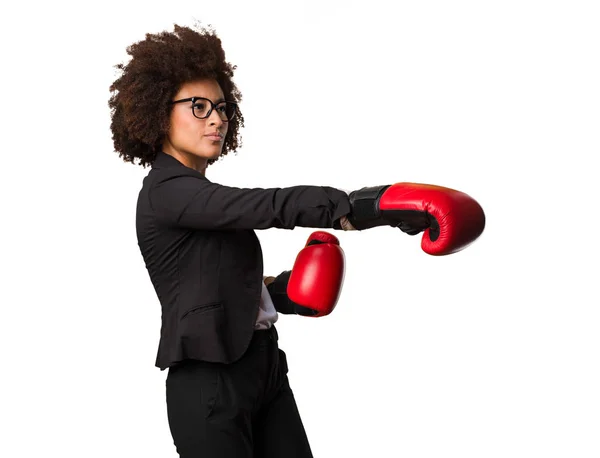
{"x":265,"y":334}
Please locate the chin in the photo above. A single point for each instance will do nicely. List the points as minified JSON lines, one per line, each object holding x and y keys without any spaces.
{"x":208,"y":154}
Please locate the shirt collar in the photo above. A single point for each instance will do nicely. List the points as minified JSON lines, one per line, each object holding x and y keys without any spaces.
{"x":165,"y":160}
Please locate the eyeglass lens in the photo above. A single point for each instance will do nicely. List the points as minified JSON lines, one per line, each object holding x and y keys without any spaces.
{"x":226,"y":110}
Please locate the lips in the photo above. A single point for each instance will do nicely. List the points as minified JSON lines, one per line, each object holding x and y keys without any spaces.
{"x":215,"y":136}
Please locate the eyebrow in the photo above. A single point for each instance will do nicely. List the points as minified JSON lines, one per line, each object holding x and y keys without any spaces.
{"x":221,"y":99}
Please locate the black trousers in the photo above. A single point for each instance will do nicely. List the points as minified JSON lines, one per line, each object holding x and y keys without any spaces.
{"x":241,"y":410}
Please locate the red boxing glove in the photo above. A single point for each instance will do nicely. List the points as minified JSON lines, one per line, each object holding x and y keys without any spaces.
{"x":315,"y":282}
{"x":451,"y":219}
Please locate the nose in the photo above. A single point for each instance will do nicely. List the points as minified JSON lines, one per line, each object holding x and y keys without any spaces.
{"x":215,"y":119}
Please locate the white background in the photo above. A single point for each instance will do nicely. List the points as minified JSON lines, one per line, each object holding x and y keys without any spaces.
{"x":491,"y":352}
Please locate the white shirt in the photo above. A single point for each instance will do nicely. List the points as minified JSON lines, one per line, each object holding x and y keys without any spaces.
{"x":267,"y":315}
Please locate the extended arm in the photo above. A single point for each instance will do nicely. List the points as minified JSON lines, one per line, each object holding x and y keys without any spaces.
{"x":188,"y":200}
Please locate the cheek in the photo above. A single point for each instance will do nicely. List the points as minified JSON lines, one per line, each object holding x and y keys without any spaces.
{"x":184,"y":131}
{"x":225,"y":128}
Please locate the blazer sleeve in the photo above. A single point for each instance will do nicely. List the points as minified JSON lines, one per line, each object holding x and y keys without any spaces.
{"x":192,"y":201}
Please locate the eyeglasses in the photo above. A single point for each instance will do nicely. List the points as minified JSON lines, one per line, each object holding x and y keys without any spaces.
{"x":202,"y":108}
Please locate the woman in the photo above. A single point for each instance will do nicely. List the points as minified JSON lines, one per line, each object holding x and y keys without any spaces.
{"x":174,"y":108}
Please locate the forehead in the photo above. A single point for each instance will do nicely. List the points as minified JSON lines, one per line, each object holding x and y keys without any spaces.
{"x":208,"y":88}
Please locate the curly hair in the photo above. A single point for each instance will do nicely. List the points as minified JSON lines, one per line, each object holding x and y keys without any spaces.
{"x":159,"y":65}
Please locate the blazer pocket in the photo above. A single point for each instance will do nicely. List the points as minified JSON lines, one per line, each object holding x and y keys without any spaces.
{"x":202,"y":308}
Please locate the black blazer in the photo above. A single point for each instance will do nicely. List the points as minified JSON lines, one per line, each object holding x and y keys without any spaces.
{"x":204,"y":259}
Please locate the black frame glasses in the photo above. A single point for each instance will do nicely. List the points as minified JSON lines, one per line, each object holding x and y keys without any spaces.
{"x":227,"y":106}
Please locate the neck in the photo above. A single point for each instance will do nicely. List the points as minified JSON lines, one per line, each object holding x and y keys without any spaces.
{"x":189,"y":160}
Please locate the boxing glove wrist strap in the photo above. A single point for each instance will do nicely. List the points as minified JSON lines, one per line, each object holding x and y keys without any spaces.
{"x":278,"y":291}
{"x":365,"y":207}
